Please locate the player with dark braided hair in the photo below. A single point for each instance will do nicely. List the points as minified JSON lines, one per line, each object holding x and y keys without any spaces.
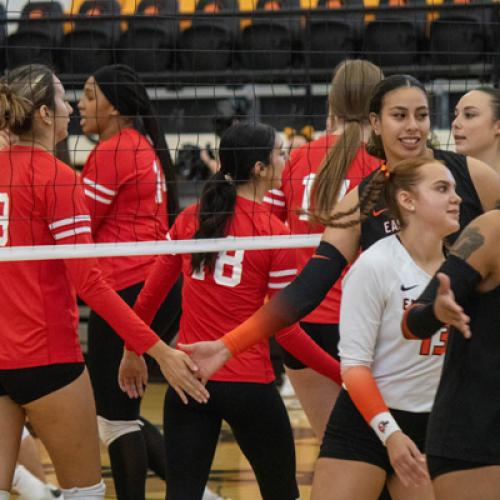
{"x":131,"y":192}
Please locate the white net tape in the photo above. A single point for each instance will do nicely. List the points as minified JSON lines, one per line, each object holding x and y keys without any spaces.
{"x":51,"y":252}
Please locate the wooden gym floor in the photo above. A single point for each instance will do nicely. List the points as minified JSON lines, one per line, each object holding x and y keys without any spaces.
{"x":231,"y":475}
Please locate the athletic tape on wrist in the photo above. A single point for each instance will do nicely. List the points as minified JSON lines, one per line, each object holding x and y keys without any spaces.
{"x":384,"y":425}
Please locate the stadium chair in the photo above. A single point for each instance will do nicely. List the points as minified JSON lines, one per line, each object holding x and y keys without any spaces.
{"x":461,"y":36}
{"x":34,"y":41}
{"x":331,"y":39}
{"x":207,"y":45}
{"x":268,"y":42}
{"x":395,"y":37}
{"x":496,"y":45}
{"x":150,"y":39}
{"x":91,"y":44}
{"x":3,"y":37}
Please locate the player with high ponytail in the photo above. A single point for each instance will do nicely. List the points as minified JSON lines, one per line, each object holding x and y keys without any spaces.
{"x":219,"y":291}
{"x":317,"y":175}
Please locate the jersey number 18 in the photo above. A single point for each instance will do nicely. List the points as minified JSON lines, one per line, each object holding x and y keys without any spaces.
{"x":228,"y":269}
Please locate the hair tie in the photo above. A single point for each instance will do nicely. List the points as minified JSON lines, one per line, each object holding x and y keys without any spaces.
{"x":307,"y":131}
{"x":289,"y":132}
{"x":385,"y":171}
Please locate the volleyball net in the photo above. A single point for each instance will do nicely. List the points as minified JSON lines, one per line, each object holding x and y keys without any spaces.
{"x":208,"y":63}
{"x":51,"y":252}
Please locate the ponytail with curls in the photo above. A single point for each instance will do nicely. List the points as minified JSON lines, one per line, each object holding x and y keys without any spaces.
{"x":383,"y":188}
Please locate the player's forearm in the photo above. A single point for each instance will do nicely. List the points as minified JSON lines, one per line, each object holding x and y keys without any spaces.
{"x":294,"y":302}
{"x":367,"y":398}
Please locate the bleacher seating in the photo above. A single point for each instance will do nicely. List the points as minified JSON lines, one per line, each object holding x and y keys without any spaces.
{"x":461,"y":36}
{"x":330,"y":39}
{"x":33,"y":42}
{"x":395,"y":37}
{"x":3,"y":37}
{"x":149,"y":42}
{"x":208,"y":44}
{"x":268,"y":42}
{"x":281,"y":43}
{"x":91,"y":43}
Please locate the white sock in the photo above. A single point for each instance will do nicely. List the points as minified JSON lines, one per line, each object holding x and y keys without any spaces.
{"x":27,"y":485}
{"x":95,"y":492}
{"x":4,"y":495}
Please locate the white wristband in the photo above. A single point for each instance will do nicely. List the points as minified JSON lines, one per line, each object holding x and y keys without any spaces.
{"x":384,"y":425}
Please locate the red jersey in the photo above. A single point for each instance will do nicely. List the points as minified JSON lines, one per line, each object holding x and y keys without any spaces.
{"x":216,"y":302}
{"x":126,"y":194}
{"x":42,"y":203}
{"x":297,"y":182}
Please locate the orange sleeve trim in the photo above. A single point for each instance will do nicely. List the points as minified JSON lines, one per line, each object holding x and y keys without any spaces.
{"x":264,"y":323}
{"x":363,"y":391}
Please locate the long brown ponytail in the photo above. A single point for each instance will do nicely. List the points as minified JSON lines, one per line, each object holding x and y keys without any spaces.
{"x":348,"y":100}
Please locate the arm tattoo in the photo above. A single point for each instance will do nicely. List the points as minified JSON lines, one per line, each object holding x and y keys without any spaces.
{"x":468,"y":242}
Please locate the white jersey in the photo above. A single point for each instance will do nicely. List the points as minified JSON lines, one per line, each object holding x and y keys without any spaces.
{"x":379,"y":286}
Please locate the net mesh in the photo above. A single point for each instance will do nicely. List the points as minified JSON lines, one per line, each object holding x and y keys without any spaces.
{"x":209,"y":63}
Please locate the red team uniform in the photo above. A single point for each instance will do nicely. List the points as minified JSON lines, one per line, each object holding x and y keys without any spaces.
{"x":298,"y":178}
{"x":126,"y":193}
{"x":242,"y":392}
{"x":42,"y":203}
{"x":214,"y":303}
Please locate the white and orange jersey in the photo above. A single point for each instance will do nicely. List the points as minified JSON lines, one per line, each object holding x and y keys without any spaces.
{"x":126,"y":194}
{"x":379,"y":286}
{"x":295,"y":196}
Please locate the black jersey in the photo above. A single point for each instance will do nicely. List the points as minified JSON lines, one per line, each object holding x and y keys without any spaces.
{"x":380,"y":223}
{"x":465,"y":420}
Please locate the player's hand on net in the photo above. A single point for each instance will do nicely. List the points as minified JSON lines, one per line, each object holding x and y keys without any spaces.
{"x":132,"y":374}
{"x":180,"y":372}
{"x":446,"y":308}
{"x":209,"y":356}
{"x":407,"y":460}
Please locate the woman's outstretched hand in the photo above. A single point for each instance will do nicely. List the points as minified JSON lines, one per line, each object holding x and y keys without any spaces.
{"x":446,"y":308}
{"x":180,"y":371}
{"x":407,"y":460}
{"x":209,"y":356}
{"x":132,"y":374}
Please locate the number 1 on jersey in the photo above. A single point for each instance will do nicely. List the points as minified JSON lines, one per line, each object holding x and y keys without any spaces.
{"x":4,"y":219}
{"x":160,"y":183}
{"x":308,"y":182}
